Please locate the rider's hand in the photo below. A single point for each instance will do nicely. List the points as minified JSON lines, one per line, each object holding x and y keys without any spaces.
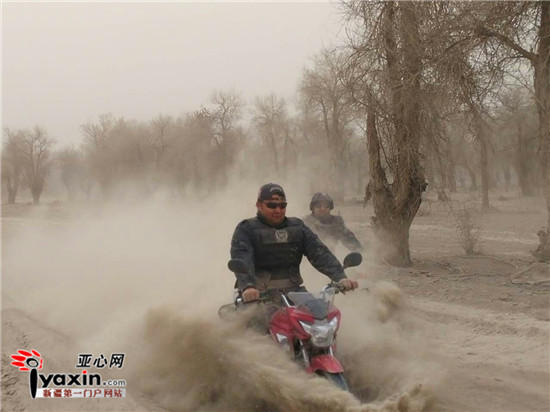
{"x":251,"y":294}
{"x":348,"y":284}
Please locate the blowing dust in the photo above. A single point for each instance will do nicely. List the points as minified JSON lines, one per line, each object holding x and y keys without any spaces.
{"x":147,"y":281}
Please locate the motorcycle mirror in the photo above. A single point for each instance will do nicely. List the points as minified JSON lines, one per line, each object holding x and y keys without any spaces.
{"x":237,"y":266}
{"x":352,"y":259}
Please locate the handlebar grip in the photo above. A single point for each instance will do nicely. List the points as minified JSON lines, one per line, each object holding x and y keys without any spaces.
{"x":263,"y":298}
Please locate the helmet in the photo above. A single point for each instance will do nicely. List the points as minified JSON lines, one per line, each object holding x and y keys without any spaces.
{"x":321,"y":197}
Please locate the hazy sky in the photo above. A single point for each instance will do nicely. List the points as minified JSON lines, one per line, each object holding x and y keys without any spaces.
{"x":63,"y":64}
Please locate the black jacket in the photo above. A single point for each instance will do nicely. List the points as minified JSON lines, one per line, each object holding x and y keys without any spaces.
{"x":332,"y":230}
{"x":278,"y":251}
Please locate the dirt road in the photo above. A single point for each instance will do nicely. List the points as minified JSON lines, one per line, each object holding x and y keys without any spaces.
{"x":452,"y":333}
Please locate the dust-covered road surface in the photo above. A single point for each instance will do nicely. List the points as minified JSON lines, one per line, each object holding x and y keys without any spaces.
{"x":449,"y":334}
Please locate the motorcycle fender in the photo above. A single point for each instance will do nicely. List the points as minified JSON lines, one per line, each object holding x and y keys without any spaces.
{"x":326,"y":363}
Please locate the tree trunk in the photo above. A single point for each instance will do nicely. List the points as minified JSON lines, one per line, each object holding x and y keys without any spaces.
{"x":507,"y":177}
{"x":400,"y":255}
{"x":542,"y":93}
{"x":382,"y":197}
{"x":273,"y":144}
{"x":440,"y":168}
{"x":484,"y":167}
{"x":428,"y":170}
{"x":395,"y":238}
{"x":522,"y":165}
{"x":12,"y":186}
{"x":461,"y":182}
{"x":473,"y":177}
{"x":484,"y":154}
{"x":451,"y":173}
{"x":12,"y":194}
{"x":36,"y":192}
{"x":396,"y":208}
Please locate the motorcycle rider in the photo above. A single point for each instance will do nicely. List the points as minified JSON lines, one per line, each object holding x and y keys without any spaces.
{"x":330,"y":228}
{"x":272,"y":246}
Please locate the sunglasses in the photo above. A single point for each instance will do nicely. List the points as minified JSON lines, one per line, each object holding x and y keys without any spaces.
{"x":274,"y":205}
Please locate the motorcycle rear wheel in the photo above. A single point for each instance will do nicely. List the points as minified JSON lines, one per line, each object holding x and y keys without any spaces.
{"x":337,"y":379}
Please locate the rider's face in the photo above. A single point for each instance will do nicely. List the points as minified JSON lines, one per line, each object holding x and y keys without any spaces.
{"x":321,"y":209}
{"x":275,"y":215}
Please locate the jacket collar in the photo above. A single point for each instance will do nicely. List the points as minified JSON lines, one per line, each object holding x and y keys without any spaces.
{"x":265,"y":222}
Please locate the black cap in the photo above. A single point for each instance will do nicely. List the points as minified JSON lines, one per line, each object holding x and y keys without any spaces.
{"x":269,"y":189}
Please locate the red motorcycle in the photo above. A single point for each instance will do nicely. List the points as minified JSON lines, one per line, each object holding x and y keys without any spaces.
{"x":305,"y":324}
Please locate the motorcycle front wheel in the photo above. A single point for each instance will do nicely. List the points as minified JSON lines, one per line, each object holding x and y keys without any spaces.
{"x":337,"y":379}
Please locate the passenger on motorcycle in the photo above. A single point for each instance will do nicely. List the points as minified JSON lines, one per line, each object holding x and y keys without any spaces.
{"x":330,"y":228}
{"x":272,"y":246}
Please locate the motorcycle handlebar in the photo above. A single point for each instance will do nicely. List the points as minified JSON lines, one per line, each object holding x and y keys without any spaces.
{"x":337,"y":287}
{"x":266,"y":297}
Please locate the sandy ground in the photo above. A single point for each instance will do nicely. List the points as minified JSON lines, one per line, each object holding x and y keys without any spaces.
{"x":451,"y":333}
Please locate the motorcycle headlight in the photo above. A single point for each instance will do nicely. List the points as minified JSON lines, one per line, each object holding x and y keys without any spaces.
{"x":321,"y":331}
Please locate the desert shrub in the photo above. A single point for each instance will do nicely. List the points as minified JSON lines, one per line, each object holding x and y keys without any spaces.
{"x":466,"y":222}
{"x":467,"y":229}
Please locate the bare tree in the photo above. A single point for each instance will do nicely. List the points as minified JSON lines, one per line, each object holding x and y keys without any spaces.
{"x":119,"y":150}
{"x":324,"y":90}
{"x":74,"y":176}
{"x":461,"y":143}
{"x":36,"y":150}
{"x":436,"y":143}
{"x":385,"y":71}
{"x":524,"y":28}
{"x":97,"y":146}
{"x":515,"y":123}
{"x":475,"y":86}
{"x":270,"y":119}
{"x":12,"y":162}
{"x":190,"y":160}
{"x":225,"y":114}
{"x":160,"y":130}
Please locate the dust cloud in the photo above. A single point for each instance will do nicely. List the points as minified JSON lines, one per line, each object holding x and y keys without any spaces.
{"x":147,"y":279}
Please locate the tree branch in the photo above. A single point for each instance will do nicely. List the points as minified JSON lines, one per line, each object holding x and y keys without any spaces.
{"x":508,"y":42}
